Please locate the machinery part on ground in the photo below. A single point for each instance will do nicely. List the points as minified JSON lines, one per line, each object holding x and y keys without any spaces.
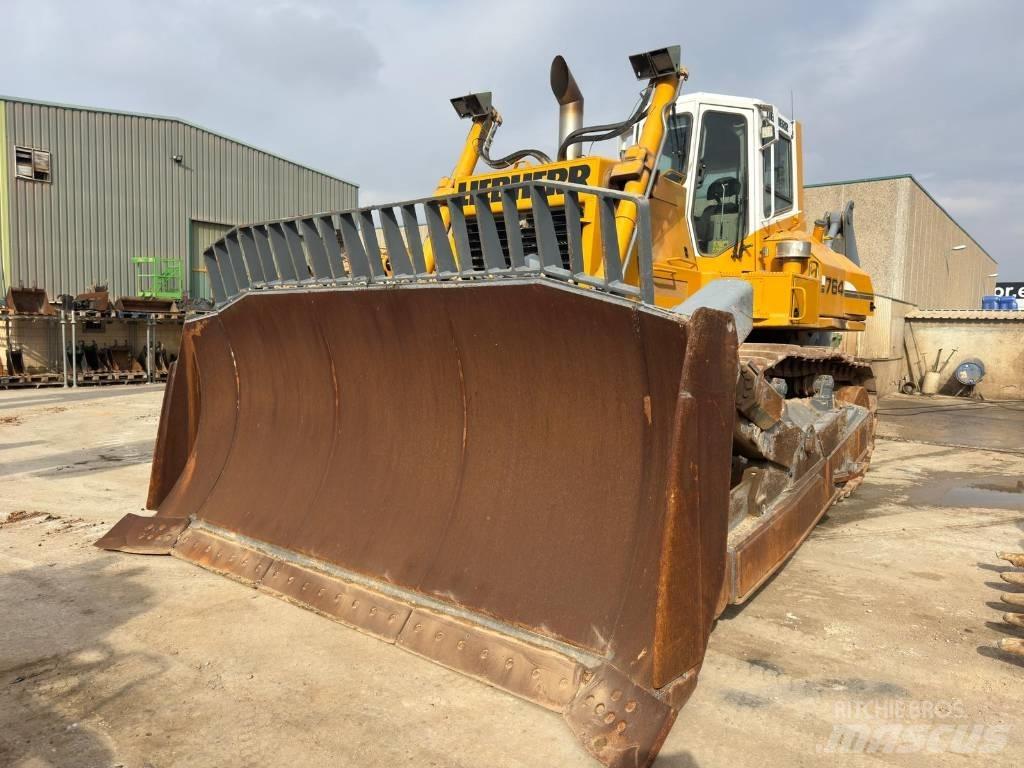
{"x":1016,"y":619}
{"x":122,"y":360}
{"x":1013,"y":598}
{"x":15,"y":361}
{"x":1013,"y":577}
{"x":530,"y":446}
{"x":113,"y":362}
{"x":1013,"y":645}
{"x":162,"y":358}
{"x":29,"y":301}
{"x":1013,"y":558}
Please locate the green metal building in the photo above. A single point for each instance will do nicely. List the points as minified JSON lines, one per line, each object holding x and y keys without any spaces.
{"x":86,"y":192}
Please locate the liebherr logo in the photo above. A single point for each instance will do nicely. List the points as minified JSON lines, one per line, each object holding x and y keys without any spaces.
{"x":573,"y":174}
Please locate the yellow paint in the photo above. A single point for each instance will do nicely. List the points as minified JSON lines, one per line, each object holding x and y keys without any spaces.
{"x":463,"y":168}
{"x":5,"y":201}
{"x":645,"y":156}
{"x":803,"y":294}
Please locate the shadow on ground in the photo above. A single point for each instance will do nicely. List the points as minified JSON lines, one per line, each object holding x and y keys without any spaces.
{"x":79,"y":462}
{"x":51,"y":688}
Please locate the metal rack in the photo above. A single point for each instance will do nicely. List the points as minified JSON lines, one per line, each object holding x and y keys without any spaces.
{"x":69,"y":319}
{"x":59,"y":348}
{"x":12,"y":349}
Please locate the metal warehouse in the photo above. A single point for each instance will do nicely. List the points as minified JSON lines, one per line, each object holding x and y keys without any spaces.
{"x":86,"y":191}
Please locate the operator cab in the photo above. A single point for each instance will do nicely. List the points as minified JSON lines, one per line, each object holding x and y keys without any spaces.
{"x":737,"y":158}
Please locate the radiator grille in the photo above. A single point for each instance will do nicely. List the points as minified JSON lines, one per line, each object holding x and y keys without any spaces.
{"x":528,"y":233}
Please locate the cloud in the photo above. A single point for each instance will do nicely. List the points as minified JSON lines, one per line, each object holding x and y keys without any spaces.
{"x":361,"y":89}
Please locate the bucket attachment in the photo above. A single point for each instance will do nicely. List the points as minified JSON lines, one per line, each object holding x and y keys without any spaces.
{"x":16,"y":361}
{"x":162,"y":359}
{"x":145,"y":305}
{"x":95,"y":300}
{"x":29,"y":301}
{"x":522,"y":480}
{"x":92,"y":361}
{"x":122,"y":360}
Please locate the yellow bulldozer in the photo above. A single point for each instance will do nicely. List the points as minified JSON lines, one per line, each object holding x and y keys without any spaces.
{"x":542,"y":426}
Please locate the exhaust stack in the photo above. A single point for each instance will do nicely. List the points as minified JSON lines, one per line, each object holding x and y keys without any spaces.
{"x":570,"y":104}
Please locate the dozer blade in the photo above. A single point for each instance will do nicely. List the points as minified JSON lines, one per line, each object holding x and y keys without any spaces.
{"x":143,"y":535}
{"x":524,"y":481}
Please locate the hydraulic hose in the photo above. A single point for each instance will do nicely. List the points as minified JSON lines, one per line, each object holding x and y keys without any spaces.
{"x":608,"y":130}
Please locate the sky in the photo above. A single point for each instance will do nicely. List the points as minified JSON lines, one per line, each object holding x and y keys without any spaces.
{"x":360,"y":89}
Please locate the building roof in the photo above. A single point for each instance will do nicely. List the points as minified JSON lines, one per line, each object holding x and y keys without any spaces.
{"x":103,"y":110}
{"x":920,"y":186}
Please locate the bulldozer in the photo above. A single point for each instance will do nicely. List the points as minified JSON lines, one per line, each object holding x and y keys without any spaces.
{"x":542,"y":426}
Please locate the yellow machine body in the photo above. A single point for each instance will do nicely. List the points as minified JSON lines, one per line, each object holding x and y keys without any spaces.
{"x":819,"y":290}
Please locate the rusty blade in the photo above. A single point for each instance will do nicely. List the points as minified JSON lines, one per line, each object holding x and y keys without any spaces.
{"x":144,"y":535}
{"x":529,"y":464}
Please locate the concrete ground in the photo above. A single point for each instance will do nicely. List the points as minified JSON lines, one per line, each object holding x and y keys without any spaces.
{"x":886,"y":618}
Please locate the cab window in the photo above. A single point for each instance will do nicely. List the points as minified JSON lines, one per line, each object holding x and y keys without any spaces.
{"x":677,"y":144}
{"x":720,"y":194}
{"x":778,"y":167}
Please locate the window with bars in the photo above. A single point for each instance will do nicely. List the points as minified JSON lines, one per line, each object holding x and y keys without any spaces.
{"x":32,"y":164}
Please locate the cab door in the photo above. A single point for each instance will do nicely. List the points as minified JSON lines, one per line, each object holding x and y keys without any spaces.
{"x":720,"y":178}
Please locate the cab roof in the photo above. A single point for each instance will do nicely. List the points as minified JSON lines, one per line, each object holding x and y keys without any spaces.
{"x":723,"y":100}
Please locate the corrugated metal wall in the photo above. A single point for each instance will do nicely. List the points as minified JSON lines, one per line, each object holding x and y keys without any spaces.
{"x":935,"y":276}
{"x":116,"y":193}
{"x":905,"y":240}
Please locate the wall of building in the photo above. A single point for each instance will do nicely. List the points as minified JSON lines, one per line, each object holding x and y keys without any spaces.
{"x":995,"y":338}
{"x":116,"y":193}
{"x":905,"y":241}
